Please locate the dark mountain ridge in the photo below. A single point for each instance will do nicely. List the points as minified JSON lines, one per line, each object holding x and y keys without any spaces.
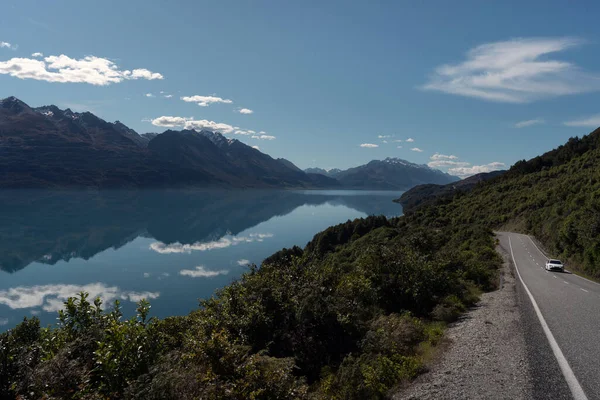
{"x":48,"y":147}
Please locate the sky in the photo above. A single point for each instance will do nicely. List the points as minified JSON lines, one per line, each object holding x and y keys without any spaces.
{"x":463,"y":86}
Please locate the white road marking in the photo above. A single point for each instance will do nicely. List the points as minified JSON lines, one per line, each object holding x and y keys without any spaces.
{"x":554,"y":276}
{"x":576,"y":390}
{"x":565,"y":269}
{"x":566,"y":282}
{"x":583,"y":290}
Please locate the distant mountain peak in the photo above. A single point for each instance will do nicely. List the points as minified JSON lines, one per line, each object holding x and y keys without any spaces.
{"x":10,"y":99}
{"x":14,"y":104}
{"x":397,"y":161}
{"x":390,"y":173}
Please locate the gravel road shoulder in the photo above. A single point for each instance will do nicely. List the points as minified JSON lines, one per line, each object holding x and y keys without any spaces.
{"x":486,"y":354}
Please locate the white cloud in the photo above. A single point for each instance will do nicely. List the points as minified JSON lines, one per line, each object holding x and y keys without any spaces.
{"x":418,"y":150}
{"x":3,"y":321}
{"x":149,"y":95}
{"x":51,"y":297}
{"x":224,"y":242}
{"x":438,"y":156}
{"x":190,"y":123}
{"x":201,"y":272}
{"x":397,"y":141}
{"x":168,"y":96}
{"x":256,"y":147}
{"x":384,"y":136}
{"x":37,"y":55}
{"x":589,"y":122}
{"x":63,"y":69}
{"x":169,"y":122}
{"x":146,"y":275}
{"x":369,"y":145}
{"x":143,"y":73}
{"x":447,"y":163}
{"x":410,"y":140}
{"x":529,"y":122}
{"x":243,"y":262}
{"x":205,"y":101}
{"x":209,"y":125}
{"x":7,"y":45}
{"x":515,"y":71}
{"x":464,"y":172}
{"x":458,"y":168}
{"x":263,"y":137}
{"x":384,"y":141}
{"x":399,"y":147}
{"x":245,"y":111}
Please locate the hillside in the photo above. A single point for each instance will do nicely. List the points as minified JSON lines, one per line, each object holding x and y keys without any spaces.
{"x":425,"y":194}
{"x":555,"y":197}
{"x":47,"y":147}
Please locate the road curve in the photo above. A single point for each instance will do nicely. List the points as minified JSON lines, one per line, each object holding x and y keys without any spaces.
{"x":562,"y":315}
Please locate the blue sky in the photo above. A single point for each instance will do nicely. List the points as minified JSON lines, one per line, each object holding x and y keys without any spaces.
{"x":482,"y":83}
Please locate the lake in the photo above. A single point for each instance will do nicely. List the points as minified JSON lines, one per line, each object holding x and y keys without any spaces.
{"x":171,"y":247}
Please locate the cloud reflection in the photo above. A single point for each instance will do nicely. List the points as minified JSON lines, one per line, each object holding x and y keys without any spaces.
{"x":201,"y":272}
{"x":222,"y":243}
{"x":51,"y":297}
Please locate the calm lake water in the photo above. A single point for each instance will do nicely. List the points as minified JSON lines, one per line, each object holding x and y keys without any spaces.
{"x":172,"y":247}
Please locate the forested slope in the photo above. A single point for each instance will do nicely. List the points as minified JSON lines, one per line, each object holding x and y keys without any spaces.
{"x":555,"y":197}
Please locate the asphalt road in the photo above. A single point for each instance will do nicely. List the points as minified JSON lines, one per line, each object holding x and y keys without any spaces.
{"x":561,"y":314}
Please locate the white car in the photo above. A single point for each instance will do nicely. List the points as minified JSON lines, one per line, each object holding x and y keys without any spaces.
{"x":551,"y":265}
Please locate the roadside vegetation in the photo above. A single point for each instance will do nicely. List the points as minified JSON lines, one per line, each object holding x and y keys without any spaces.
{"x":350,"y":316}
{"x":555,"y":197}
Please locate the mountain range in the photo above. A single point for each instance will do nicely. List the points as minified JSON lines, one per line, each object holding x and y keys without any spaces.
{"x":388,"y":174}
{"x":46,"y":147}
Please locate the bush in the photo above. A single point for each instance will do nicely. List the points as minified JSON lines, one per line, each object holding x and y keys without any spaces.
{"x":347,"y":317}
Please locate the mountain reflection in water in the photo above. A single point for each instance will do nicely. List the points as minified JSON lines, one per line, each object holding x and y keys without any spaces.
{"x":55,"y":244}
